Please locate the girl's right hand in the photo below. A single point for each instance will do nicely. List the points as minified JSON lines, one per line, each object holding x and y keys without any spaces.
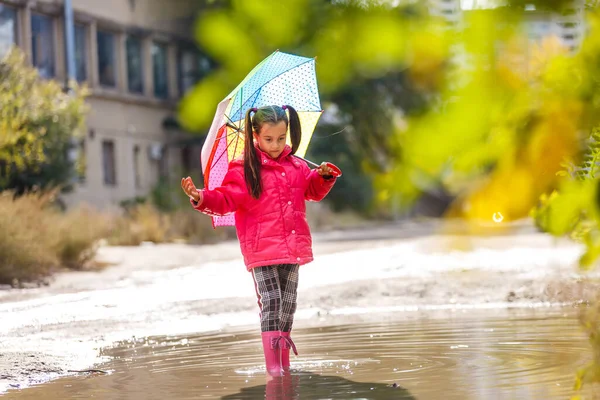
{"x":190,"y":189}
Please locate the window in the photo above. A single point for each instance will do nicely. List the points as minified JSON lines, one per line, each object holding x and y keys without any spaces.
{"x":108,"y":162}
{"x":186,"y":158}
{"x":160,"y":69}
{"x":42,"y":44}
{"x":81,"y":163}
{"x":80,"y":53}
{"x":106,"y":59}
{"x":163,"y":166}
{"x":193,"y":66}
{"x":135,"y":75}
{"x":8,"y":29}
{"x":136,"y":166}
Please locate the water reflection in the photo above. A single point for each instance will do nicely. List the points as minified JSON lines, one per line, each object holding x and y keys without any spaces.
{"x":492,"y":354}
{"x":306,"y":385}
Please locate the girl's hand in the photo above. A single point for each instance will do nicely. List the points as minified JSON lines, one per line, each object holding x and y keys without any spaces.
{"x":327,"y":170}
{"x":190,"y":189}
{"x":324,"y":169}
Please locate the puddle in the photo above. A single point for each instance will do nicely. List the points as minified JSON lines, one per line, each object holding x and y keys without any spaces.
{"x":489,"y":354}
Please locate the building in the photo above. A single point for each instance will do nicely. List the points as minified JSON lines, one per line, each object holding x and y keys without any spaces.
{"x":450,"y":10}
{"x":138,"y":58}
{"x":567,"y":26}
{"x":563,"y":28}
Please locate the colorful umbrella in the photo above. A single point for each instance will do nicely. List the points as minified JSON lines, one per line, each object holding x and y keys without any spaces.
{"x":280,"y":79}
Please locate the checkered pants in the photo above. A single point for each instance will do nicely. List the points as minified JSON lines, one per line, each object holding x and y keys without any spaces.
{"x":276,"y":288}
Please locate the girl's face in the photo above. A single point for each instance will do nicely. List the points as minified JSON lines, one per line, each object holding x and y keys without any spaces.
{"x":271,"y":138}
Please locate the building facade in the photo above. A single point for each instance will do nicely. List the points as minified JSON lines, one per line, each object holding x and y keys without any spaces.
{"x":138,"y":58}
{"x":566,"y":24}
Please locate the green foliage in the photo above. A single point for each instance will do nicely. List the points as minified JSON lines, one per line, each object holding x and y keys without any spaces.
{"x":591,"y":160}
{"x":168,"y":197}
{"x":355,"y":193}
{"x":361,"y":55}
{"x":132,"y":203}
{"x":38,"y":122}
{"x":573,"y":209}
{"x":476,"y":110}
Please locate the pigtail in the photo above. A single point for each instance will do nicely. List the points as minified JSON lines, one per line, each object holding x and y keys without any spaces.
{"x":295,"y":128}
{"x":251,"y":161}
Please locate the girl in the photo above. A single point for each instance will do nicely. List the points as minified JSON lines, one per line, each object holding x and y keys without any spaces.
{"x":267,"y":190}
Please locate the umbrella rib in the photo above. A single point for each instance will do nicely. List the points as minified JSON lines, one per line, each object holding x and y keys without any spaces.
{"x":236,"y":143}
{"x":225,"y":151}
{"x":232,"y":123}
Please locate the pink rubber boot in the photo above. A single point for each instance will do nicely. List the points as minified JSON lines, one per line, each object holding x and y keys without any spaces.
{"x":285,"y":344}
{"x":270,"y":341}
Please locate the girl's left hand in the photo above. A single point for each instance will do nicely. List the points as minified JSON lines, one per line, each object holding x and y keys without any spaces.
{"x":324,"y":169}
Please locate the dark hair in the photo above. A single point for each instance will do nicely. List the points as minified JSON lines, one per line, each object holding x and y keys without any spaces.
{"x":254,"y":124}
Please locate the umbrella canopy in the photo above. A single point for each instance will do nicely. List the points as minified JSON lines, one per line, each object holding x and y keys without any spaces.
{"x":280,"y":79}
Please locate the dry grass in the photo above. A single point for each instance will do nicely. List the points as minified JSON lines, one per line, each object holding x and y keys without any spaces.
{"x":37,"y":239}
{"x":141,"y":223}
{"x":26,"y":238}
{"x":320,"y":217}
{"x":77,"y":236}
{"x":189,"y":225}
{"x":145,"y":223}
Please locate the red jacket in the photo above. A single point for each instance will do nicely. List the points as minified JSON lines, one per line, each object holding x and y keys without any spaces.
{"x":272,"y":229}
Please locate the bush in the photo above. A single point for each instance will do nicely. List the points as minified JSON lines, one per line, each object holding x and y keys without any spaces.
{"x":140,"y":223}
{"x":36,"y":238}
{"x":78,"y":234}
{"x":25,"y":239}
{"x":146,"y":223}
{"x":189,"y":225}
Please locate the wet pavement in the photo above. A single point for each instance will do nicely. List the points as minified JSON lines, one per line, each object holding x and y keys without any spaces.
{"x":177,"y":290}
{"x":501,"y":354}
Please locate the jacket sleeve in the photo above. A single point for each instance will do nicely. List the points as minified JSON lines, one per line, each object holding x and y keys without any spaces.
{"x":225,"y":199}
{"x":318,"y":187}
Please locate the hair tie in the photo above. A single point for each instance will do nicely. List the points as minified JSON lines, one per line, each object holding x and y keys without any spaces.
{"x":284,"y":108}
{"x":254,"y":109}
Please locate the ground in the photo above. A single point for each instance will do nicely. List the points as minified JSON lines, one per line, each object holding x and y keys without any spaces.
{"x":177,"y":288}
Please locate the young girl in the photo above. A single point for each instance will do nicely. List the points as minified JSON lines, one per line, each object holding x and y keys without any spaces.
{"x":267,"y":190}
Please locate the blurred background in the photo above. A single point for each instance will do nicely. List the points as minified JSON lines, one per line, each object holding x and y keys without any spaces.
{"x":481,"y":112}
{"x":470,"y":110}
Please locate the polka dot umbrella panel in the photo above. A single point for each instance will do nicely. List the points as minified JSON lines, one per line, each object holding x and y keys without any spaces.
{"x":280,"y":79}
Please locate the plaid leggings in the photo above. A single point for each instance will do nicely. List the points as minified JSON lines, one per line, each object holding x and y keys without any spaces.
{"x":276,"y":288}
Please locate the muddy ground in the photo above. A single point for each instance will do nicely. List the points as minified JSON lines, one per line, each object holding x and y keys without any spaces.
{"x":58,"y":329}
